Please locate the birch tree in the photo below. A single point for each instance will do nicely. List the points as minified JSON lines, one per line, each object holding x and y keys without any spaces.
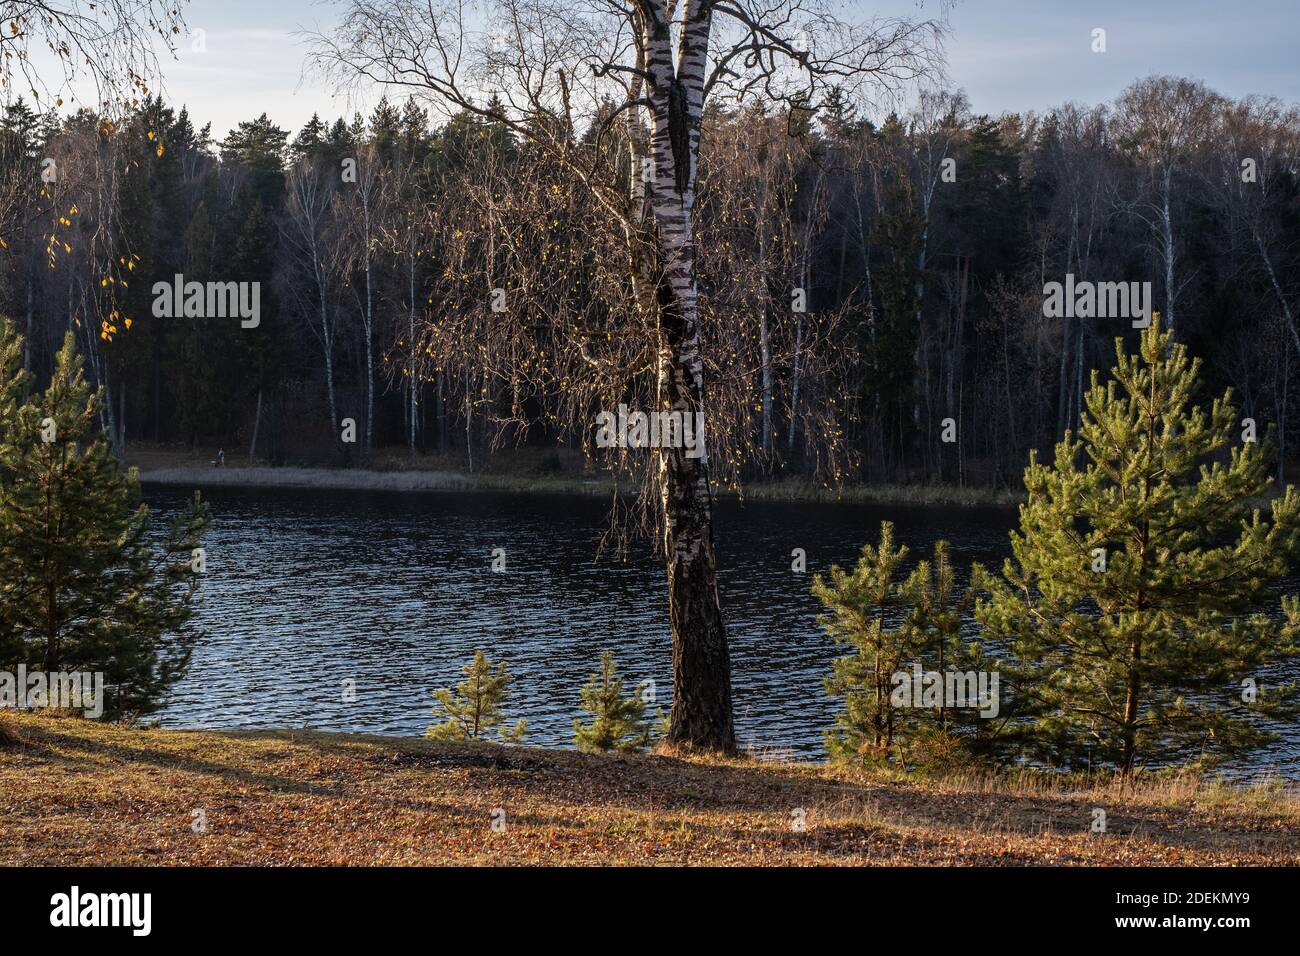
{"x":360,"y":210}
{"x":306,"y":232}
{"x":1255,"y":159}
{"x":403,"y":234}
{"x":110,"y":46}
{"x":934,"y":128}
{"x":549,"y":67}
{"x":1163,"y":121}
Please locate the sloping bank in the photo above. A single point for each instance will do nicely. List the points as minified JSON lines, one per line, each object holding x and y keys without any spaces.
{"x":79,"y":792}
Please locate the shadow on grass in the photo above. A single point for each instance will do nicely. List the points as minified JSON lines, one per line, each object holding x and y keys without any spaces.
{"x":63,"y":748}
{"x":566,"y":789}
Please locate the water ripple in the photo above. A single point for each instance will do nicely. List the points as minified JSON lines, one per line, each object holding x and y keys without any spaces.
{"x":309,"y":589}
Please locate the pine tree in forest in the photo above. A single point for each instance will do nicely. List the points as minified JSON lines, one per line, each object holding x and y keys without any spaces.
{"x":619,"y":722}
{"x":308,"y":142}
{"x":263,"y":356}
{"x":13,"y":382}
{"x":473,"y":709}
{"x":85,"y":584}
{"x":890,"y":341}
{"x":196,"y":376}
{"x":385,"y":128}
{"x":1132,"y":603}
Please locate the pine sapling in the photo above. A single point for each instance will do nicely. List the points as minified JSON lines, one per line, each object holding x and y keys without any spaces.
{"x":865,"y":611}
{"x":619,"y":722}
{"x":473,"y":709}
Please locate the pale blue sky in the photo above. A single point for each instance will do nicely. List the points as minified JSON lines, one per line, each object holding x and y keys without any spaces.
{"x":1006,"y":54}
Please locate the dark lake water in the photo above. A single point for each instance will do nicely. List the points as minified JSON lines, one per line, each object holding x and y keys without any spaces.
{"x":308,"y":589}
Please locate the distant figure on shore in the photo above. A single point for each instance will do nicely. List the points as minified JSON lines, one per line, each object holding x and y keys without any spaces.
{"x":221,"y":459}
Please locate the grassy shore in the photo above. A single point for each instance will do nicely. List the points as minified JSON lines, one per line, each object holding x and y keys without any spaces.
{"x":528,"y":471}
{"x":77,"y":792}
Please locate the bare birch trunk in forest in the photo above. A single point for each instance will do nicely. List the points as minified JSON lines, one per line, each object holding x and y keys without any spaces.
{"x":257,"y":424}
{"x":764,"y":326}
{"x":1167,"y":251}
{"x":412,"y":372}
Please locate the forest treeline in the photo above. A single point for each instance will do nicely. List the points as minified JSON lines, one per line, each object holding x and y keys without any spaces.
{"x":452,"y":289}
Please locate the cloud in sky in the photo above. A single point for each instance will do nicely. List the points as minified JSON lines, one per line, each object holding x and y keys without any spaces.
{"x":1011,"y":55}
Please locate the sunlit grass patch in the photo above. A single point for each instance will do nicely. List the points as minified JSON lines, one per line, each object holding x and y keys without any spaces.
{"x":78,"y":792}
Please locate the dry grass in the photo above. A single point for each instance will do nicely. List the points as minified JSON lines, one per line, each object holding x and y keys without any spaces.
{"x":910,"y":495}
{"x":78,"y":792}
{"x":523,"y":470}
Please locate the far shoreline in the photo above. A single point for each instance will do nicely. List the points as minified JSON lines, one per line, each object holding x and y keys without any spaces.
{"x":444,"y":480}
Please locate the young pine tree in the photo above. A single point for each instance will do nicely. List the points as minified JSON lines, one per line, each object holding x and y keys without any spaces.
{"x":866,"y":610}
{"x":965,"y":723}
{"x":619,"y":722}
{"x":897,"y":627}
{"x":474,"y":708}
{"x":82,"y":587}
{"x":1131,"y":604}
